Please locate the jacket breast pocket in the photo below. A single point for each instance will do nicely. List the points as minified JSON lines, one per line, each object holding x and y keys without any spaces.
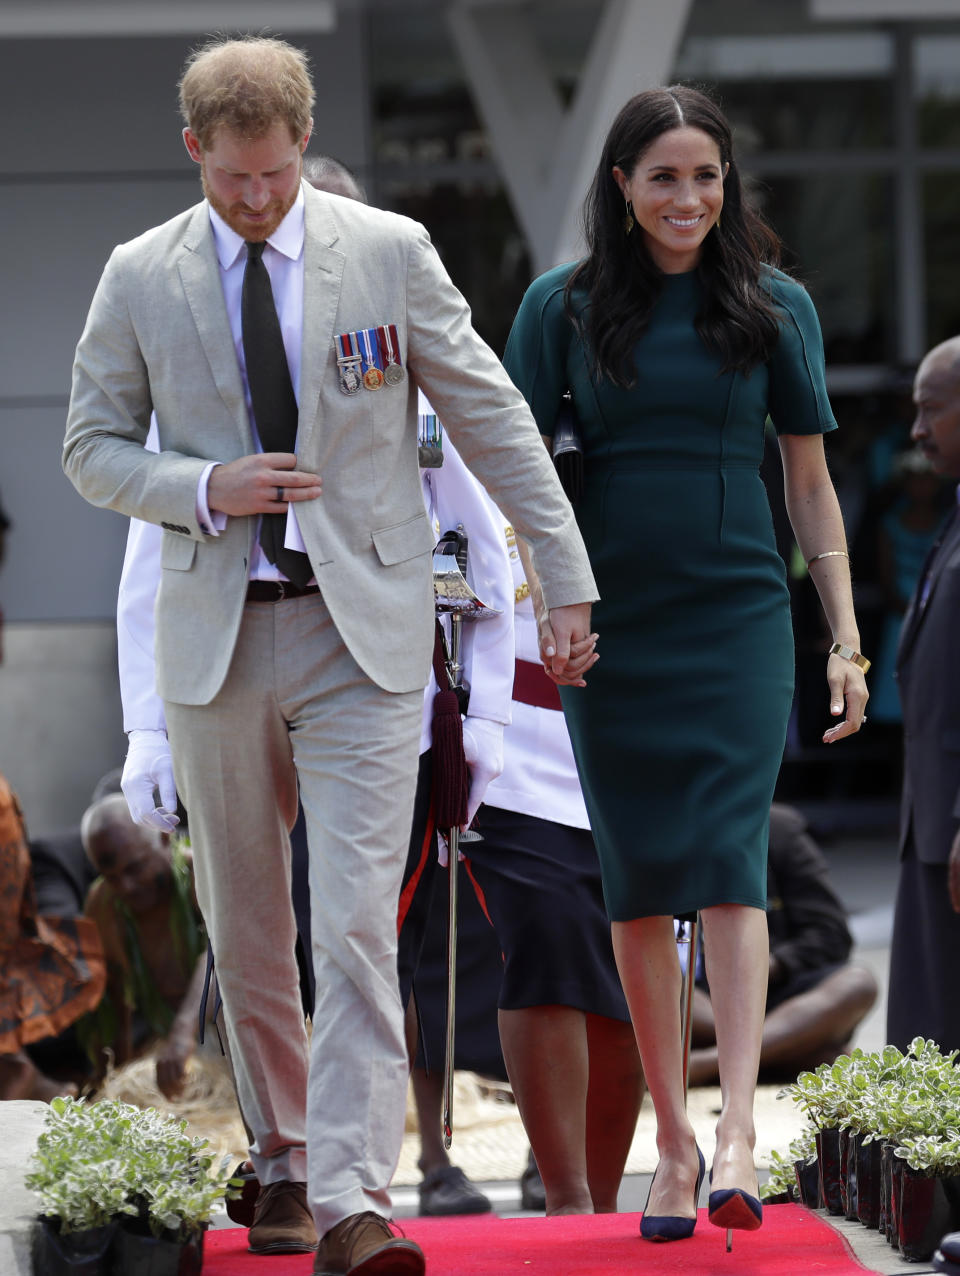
{"x":403,"y":541}
{"x":177,"y":552}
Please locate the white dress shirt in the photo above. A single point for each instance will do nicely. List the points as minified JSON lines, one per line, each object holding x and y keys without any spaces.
{"x":283,"y":258}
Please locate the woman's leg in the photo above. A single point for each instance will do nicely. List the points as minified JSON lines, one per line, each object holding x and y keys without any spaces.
{"x":614,"y":1095}
{"x":646,"y":953}
{"x":736,"y":949}
{"x":545,"y":1050}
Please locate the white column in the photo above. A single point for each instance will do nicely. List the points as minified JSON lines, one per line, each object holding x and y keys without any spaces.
{"x":547,"y":154}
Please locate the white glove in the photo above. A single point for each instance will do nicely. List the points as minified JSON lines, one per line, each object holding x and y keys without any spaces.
{"x":149,"y":766}
{"x":483,"y":749}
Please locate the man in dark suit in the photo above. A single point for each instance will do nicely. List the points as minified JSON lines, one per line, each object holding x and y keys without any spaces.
{"x":926,"y":931}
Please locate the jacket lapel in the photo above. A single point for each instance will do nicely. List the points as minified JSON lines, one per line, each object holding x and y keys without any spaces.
{"x":946,"y":543}
{"x":200,"y":275}
{"x":323,"y":265}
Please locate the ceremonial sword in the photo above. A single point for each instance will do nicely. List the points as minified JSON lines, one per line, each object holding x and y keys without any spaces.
{"x":453,"y":597}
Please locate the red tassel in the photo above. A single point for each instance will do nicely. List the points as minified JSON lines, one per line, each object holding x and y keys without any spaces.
{"x":450,"y":774}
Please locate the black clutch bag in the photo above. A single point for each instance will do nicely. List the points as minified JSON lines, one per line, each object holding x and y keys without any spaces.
{"x":568,"y":449}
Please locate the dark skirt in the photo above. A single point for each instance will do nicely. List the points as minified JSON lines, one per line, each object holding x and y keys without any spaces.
{"x":679,"y":732}
{"x":539,"y":883}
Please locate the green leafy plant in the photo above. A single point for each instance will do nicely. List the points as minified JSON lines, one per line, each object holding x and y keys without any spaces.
{"x":937,"y":1155}
{"x":107,"y":1160}
{"x":782,"y":1176}
{"x":886,"y":1094}
{"x":911,"y":1100}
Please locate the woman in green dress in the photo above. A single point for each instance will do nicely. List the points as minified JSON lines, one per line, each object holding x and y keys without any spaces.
{"x":678,"y":337}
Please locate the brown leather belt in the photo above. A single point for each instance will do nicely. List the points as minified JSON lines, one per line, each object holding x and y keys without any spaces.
{"x":275,"y":591}
{"x":532,"y":686}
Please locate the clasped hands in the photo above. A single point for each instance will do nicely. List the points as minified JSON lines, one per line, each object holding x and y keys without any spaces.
{"x":567,"y":645}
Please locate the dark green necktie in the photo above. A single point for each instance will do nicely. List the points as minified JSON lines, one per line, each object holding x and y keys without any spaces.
{"x":274,"y":403}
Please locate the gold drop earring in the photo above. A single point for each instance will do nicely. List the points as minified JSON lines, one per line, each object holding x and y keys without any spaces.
{"x":628,"y":222}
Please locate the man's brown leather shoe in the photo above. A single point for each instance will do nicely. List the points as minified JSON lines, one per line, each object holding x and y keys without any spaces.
{"x":364,"y":1245}
{"x":282,"y":1223}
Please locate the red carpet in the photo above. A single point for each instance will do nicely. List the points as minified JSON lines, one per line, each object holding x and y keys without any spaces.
{"x":791,"y":1241}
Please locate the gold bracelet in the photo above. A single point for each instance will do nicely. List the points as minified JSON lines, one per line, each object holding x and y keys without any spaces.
{"x":848,"y":653}
{"x":828,"y":553}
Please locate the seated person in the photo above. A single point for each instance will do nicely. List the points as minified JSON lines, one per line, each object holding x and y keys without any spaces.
{"x":815,"y":997}
{"x":144,"y":907}
{"x":51,"y":968}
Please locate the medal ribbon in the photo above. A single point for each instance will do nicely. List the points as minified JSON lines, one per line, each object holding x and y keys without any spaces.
{"x":371,"y":348}
{"x":347,"y":348}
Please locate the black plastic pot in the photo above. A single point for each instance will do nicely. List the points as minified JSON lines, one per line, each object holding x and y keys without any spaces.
{"x":57,"y":1253}
{"x":808,"y":1183}
{"x":848,"y":1173}
{"x":868,"y":1182}
{"x":929,"y":1208}
{"x":885,"y":1224}
{"x":896,"y":1187}
{"x":135,"y":1254}
{"x":828,"y":1159}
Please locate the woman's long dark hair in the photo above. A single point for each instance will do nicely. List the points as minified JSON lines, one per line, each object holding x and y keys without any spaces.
{"x":737,"y":320}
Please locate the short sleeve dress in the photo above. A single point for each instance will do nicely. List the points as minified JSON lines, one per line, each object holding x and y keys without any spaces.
{"x":679,"y":733}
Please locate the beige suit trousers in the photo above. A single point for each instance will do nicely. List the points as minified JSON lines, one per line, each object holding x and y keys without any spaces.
{"x":295,"y":707}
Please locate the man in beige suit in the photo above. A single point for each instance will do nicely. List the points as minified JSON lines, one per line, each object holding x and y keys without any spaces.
{"x":298,"y":660}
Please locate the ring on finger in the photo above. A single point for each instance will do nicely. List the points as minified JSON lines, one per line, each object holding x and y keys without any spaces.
{"x":280,"y":495}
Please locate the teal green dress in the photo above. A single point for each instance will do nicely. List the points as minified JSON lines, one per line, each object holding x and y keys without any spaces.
{"x":679,"y":733}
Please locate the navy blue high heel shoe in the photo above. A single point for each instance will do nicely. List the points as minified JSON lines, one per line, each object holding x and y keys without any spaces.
{"x":670,"y":1227}
{"x":734,"y":1209}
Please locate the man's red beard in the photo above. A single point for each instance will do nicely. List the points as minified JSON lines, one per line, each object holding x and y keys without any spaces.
{"x":267,"y":219}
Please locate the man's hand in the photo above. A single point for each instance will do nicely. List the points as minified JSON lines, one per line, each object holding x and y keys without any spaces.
{"x":149,"y":766}
{"x":173,"y":1054}
{"x":567,"y":647}
{"x":264,"y":483}
{"x":953,"y":873}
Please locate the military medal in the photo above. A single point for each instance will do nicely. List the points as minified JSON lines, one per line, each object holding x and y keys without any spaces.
{"x":348,"y":362}
{"x":372,"y":376}
{"x":429,"y":441}
{"x":393,"y":372}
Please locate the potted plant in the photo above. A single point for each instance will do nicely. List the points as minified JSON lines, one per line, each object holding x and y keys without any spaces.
{"x":123,"y":1192}
{"x":917,"y":1105}
{"x":790,"y":1174}
{"x":898,"y":1116}
{"x":82,"y":1195}
{"x":829,"y":1096}
{"x":780,"y":1187}
{"x":928,"y":1193}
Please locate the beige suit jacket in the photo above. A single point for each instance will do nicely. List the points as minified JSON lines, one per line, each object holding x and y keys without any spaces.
{"x":158,"y":338}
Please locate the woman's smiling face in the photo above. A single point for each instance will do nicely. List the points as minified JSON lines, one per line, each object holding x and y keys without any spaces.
{"x":676,"y":189}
